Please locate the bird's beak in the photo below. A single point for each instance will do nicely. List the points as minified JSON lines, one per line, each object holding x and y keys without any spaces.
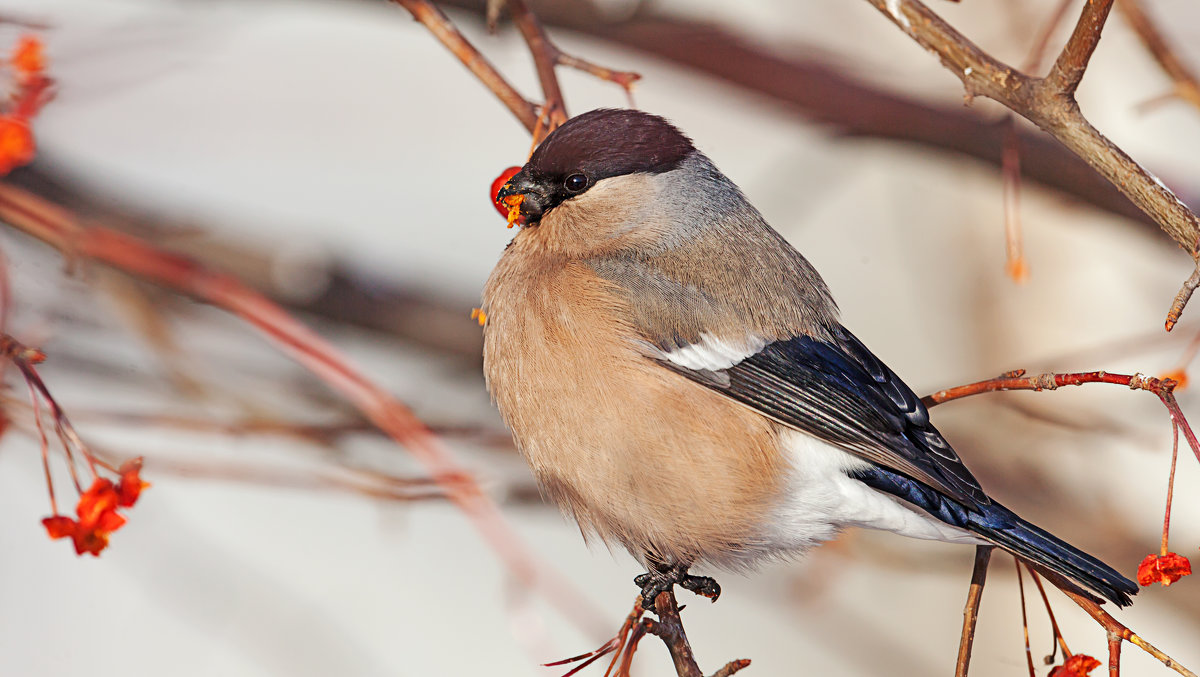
{"x":524,"y":199}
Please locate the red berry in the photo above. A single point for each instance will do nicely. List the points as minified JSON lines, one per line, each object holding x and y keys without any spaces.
{"x":497,"y":184}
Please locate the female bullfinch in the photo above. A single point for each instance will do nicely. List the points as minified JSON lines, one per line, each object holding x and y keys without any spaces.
{"x":676,"y":375}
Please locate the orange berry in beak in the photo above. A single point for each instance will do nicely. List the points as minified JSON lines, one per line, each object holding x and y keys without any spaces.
{"x":504,"y":209}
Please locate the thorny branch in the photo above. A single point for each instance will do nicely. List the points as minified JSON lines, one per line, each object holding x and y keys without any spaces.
{"x":1049,"y":103}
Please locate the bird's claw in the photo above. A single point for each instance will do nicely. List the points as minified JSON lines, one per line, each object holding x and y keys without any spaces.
{"x":657,"y":581}
{"x":702,"y":585}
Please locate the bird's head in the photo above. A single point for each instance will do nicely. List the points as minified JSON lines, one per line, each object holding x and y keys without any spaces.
{"x":599,"y":166}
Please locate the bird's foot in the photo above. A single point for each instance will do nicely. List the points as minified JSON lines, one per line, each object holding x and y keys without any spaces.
{"x":658,"y":581}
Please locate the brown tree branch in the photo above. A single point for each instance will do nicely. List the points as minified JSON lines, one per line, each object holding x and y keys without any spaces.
{"x":79,"y":242}
{"x":669,"y":628}
{"x":546,"y":57}
{"x":1017,"y":380}
{"x":446,"y":33}
{"x":983,"y":555}
{"x":820,"y":93}
{"x":1067,"y":71}
{"x":545,"y":60}
{"x":1050,"y":104}
{"x":1182,"y":297}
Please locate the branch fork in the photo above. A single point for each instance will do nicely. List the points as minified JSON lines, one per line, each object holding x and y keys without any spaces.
{"x":1049,"y":102}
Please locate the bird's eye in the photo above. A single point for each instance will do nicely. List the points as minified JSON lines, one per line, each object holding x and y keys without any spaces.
{"x":575,"y":183}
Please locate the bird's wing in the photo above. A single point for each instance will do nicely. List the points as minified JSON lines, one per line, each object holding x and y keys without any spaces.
{"x":722,"y":330}
{"x":838,"y":391}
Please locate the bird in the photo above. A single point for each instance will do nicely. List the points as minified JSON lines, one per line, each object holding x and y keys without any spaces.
{"x":678,"y":379}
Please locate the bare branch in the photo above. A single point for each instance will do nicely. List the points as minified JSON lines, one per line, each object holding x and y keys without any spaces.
{"x":1017,"y":380}
{"x":1068,"y":70}
{"x":445,"y":31}
{"x":983,"y":555}
{"x":1181,"y":298}
{"x":669,"y":628}
{"x":1114,"y":627}
{"x":545,"y":59}
{"x":1050,"y":104}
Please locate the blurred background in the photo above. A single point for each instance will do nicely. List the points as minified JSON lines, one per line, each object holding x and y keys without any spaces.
{"x":336,"y":157}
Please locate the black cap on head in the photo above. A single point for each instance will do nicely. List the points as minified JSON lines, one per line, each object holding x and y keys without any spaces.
{"x":591,"y":147}
{"x":610,"y":142}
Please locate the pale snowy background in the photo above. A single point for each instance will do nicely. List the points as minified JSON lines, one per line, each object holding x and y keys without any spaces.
{"x":341,"y":132}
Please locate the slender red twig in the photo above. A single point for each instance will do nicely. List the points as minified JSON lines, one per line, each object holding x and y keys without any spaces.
{"x":1017,"y":380}
{"x":1057,"y":641}
{"x":1024,"y":618}
{"x":1170,"y":485}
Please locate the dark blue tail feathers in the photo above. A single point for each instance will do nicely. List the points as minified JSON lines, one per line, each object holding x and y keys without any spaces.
{"x":1004,"y":528}
{"x":1037,"y":546}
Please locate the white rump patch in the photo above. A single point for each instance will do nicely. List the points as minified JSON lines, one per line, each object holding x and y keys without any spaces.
{"x":821,"y":499}
{"x":713,"y":354}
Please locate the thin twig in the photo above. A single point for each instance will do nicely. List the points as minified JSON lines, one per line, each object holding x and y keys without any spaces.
{"x":545,"y":59}
{"x":1017,"y":380}
{"x":1170,"y":486}
{"x":1057,"y":641}
{"x":1186,"y":84}
{"x":1024,"y":618}
{"x":446,"y":33}
{"x":1114,"y":627}
{"x":669,"y":628}
{"x":1177,"y":417}
{"x":1182,"y":297}
{"x":547,"y":56}
{"x":983,"y":555}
